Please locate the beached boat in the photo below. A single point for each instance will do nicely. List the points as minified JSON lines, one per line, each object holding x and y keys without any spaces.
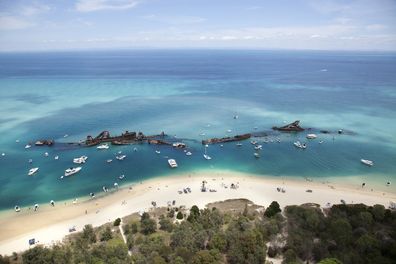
{"x":172,"y":163}
{"x":367,"y":162}
{"x":121,"y":157}
{"x":71,"y":171}
{"x":311,"y":136}
{"x":292,"y":127}
{"x":298,"y":144}
{"x":32,"y":171}
{"x":103,"y":146}
{"x":80,"y":160}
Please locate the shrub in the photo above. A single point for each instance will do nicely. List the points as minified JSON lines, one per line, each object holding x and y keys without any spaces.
{"x":179,"y":216}
{"x":117,"y":222}
{"x":273,"y":209}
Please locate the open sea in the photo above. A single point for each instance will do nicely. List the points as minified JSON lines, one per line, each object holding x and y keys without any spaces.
{"x":188,"y":93}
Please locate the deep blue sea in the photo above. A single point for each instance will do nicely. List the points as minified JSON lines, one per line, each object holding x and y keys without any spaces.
{"x":186,"y":93}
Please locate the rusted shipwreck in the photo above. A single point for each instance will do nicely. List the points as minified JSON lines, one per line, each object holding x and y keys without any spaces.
{"x":124,"y":139}
{"x":226,"y":139}
{"x":292,"y":127}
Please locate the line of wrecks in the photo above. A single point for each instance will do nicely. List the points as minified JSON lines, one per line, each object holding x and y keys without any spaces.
{"x":128,"y":138}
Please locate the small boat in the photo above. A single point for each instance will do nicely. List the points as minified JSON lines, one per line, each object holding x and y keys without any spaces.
{"x":298,"y":144}
{"x":320,"y":142}
{"x":103,"y":146}
{"x":311,"y":136}
{"x":28,"y":146}
{"x":135,"y":149}
{"x":172,"y":163}
{"x":239,"y":144}
{"x":109,"y":160}
{"x":121,"y":177}
{"x":229,"y":131}
{"x":32,"y":171}
{"x":258,"y":147}
{"x":71,"y":171}
{"x":115,"y":185}
{"x":17,"y":141}
{"x":367,"y":162}
{"x":80,"y":160}
{"x":30,"y":160}
{"x":121,"y":157}
{"x":256,"y":155}
{"x":236,"y":116}
{"x":119,"y":152}
{"x":388,"y":183}
{"x":253,"y":142}
{"x":188,"y":153}
{"x":17,"y":208}
{"x":56,"y":157}
{"x":3,"y":154}
{"x":206,"y":156}
{"x":66,"y":135}
{"x":46,"y":154}
{"x":202,"y":134}
{"x":158,"y":152}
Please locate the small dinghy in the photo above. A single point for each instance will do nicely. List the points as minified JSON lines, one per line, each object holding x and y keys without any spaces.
{"x":367,"y":162}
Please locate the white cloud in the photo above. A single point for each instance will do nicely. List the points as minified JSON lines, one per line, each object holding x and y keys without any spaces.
{"x":34,"y":9}
{"x":97,"y":5}
{"x":14,"y":23}
{"x":175,"y":20}
{"x":375,"y":27}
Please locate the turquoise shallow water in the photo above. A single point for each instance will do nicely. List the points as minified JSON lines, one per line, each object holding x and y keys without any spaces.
{"x":186,"y":93}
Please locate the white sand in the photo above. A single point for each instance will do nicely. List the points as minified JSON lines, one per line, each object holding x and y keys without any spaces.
{"x":50,"y":224}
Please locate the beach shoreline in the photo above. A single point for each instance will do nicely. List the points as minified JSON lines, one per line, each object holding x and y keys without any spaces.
{"x":50,"y":224}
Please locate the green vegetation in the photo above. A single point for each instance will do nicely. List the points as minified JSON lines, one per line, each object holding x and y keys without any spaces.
{"x":304,"y":234}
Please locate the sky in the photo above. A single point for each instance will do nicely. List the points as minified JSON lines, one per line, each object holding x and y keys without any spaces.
{"x":246,"y":24}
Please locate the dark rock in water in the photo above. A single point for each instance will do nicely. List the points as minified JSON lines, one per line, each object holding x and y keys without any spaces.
{"x":292,"y":127}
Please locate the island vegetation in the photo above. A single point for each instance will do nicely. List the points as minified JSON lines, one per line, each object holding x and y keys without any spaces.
{"x":234,"y":231}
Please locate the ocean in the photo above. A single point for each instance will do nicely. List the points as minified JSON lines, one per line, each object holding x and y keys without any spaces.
{"x":193,"y":95}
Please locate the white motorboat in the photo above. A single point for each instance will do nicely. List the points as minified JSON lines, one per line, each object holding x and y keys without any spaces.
{"x":3,"y":154}
{"x":311,"y":136}
{"x":253,"y":142}
{"x":71,"y":171}
{"x":298,"y":144}
{"x":179,"y":145}
{"x":109,"y":160}
{"x":32,"y":171}
{"x":188,"y":153}
{"x":158,"y":152}
{"x":121,"y":177}
{"x":56,"y":157}
{"x":28,"y":146}
{"x":367,"y":162}
{"x":229,"y":130}
{"x":239,"y":144}
{"x":207,"y":157}
{"x":172,"y":163}
{"x":80,"y":160}
{"x":46,"y":154}
{"x":258,"y":147}
{"x":256,"y":155}
{"x":103,"y":146}
{"x":121,"y":157}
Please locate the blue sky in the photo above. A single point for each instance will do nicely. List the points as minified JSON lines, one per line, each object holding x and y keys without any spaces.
{"x":265,"y":24}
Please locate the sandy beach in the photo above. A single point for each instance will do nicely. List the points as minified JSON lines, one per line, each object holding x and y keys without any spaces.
{"x":50,"y":224}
